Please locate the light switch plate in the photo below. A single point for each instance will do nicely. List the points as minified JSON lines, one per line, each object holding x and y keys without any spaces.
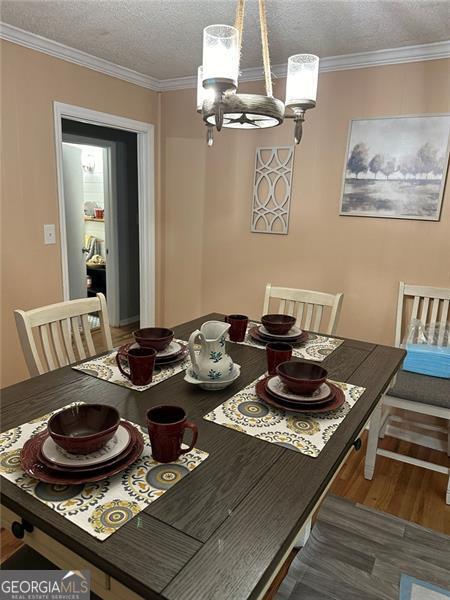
{"x":49,"y":234}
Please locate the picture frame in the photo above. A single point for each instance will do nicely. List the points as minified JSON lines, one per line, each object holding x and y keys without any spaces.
{"x":396,"y":167}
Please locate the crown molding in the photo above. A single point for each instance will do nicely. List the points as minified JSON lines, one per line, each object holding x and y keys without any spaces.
{"x":83,"y":59}
{"x":361,"y":60}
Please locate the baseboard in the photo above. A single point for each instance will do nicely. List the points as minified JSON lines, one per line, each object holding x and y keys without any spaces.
{"x":128,"y":320}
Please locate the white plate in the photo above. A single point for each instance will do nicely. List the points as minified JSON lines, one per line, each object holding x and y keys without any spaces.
{"x":276,"y":386}
{"x":293,"y":332}
{"x":59,"y":456}
{"x":172,"y":348}
{"x":213,"y":384}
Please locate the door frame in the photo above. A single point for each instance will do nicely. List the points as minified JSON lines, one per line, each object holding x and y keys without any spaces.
{"x":111,"y":222}
{"x":146,"y":196}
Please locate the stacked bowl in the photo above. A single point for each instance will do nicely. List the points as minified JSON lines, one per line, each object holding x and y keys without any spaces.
{"x":278,"y":328}
{"x":300,"y":387}
{"x":82,"y":444}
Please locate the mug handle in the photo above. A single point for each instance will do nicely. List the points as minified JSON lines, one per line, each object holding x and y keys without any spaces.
{"x":193,"y":426}
{"x":119,"y":355}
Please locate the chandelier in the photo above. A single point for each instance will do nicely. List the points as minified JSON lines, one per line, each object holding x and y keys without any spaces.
{"x":217,"y":99}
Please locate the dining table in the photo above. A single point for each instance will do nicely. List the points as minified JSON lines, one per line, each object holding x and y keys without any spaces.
{"x":224,"y":531}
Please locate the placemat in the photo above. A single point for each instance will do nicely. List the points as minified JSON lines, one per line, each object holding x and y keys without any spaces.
{"x":307,"y":434}
{"x":316,"y":348}
{"x":105,"y":367}
{"x":99,"y":508}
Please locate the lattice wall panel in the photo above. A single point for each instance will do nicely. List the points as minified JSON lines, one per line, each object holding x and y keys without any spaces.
{"x":272,"y":189}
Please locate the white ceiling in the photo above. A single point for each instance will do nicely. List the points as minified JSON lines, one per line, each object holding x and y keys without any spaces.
{"x":163,"y":38}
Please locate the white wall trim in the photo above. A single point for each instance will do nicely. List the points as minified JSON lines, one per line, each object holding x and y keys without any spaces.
{"x":361,"y":60}
{"x":146,"y":196}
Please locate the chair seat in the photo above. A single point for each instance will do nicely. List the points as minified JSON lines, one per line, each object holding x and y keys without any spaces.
{"x":421,"y":388}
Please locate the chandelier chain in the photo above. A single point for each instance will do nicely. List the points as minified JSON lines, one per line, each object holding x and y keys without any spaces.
{"x":239,"y":21}
{"x":265,"y":46}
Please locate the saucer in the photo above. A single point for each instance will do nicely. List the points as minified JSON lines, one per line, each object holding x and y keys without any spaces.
{"x":277,"y":387}
{"x":336,"y":401}
{"x":262,"y":339}
{"x":30,"y":463}
{"x":107,"y":464}
{"x":292,"y":334}
{"x":213,"y":384}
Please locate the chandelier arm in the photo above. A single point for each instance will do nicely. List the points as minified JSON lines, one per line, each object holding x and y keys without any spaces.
{"x":265,"y":46}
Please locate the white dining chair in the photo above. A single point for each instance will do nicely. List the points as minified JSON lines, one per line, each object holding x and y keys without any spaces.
{"x":59,"y":334}
{"x":307,"y":306}
{"x":414,"y":392}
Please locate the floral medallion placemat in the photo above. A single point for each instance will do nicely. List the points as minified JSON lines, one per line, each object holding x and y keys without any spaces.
{"x":105,"y":367}
{"x":99,"y":508}
{"x":307,"y":434}
{"x":317,"y":347}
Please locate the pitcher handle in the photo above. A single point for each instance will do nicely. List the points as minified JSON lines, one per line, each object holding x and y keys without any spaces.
{"x":192,"y":341}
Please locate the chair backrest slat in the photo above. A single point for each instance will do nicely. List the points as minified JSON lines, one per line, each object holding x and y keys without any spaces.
{"x":301,"y":306}
{"x":87,"y":335}
{"x":308,"y":317}
{"x":318,"y":317}
{"x":434,"y":310}
{"x":56,"y":337}
{"x":45,"y":339}
{"x":424,"y":310}
{"x":77,"y":337}
{"x":282,"y":307}
{"x":423,"y":297}
{"x":293,"y":302}
{"x":66,"y":331}
{"x":59,"y":328}
{"x":443,"y":323}
{"x":415,"y":308}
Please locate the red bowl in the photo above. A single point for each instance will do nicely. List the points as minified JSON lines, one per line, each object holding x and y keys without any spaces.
{"x":302,"y":378}
{"x":278,"y":324}
{"x":157,"y":338}
{"x":84,"y":428}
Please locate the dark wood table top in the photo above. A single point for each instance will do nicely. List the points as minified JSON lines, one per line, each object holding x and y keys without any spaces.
{"x":219,"y":533}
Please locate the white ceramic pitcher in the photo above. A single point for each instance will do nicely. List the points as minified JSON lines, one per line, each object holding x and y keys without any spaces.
{"x":212,"y":362}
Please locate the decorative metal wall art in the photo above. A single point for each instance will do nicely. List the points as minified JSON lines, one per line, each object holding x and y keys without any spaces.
{"x":272,"y":189}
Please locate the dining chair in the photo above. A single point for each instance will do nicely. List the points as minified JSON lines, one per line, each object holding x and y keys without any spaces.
{"x":59,"y":334}
{"x":306,"y":306}
{"x":414,"y":392}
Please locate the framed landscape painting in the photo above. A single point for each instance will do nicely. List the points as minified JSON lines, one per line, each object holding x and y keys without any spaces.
{"x":396,"y":167}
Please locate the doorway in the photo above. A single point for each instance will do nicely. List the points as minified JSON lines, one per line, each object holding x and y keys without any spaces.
{"x":106,"y":197}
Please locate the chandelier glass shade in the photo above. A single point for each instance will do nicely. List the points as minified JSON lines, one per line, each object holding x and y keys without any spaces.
{"x":220,"y":57}
{"x":217,"y":83}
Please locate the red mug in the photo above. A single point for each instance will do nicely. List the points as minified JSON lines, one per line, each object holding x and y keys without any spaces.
{"x":238,"y":327}
{"x":141,"y":362}
{"x":277,"y":352}
{"x":166,"y":425}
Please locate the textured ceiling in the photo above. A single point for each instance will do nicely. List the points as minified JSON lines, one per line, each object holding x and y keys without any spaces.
{"x":163,"y":38}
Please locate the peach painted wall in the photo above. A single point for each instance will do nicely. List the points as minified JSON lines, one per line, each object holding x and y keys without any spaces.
{"x":207,"y":259}
{"x":207,"y":192}
{"x":31,"y":81}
